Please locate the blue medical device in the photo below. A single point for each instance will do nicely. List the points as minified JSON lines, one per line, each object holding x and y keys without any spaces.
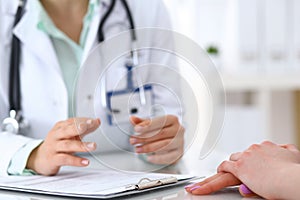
{"x":128,"y":101}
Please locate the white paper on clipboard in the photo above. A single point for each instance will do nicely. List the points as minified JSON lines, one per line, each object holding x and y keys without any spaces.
{"x":101,"y":184}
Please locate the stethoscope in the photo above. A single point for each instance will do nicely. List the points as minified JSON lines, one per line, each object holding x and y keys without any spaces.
{"x":16,"y":123}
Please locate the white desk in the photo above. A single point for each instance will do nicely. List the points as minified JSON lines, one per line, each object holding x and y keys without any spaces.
{"x":174,"y":193}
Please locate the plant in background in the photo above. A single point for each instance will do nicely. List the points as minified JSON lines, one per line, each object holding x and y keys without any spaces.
{"x":212,"y":50}
{"x":214,"y":53}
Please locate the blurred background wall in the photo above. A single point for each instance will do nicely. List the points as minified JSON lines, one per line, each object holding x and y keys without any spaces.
{"x":255,"y":44}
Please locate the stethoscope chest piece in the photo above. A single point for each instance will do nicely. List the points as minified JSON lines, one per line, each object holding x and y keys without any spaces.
{"x":13,"y":124}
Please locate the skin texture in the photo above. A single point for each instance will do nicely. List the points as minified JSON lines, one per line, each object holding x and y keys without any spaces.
{"x":162,"y":138}
{"x":60,"y":145}
{"x":67,"y":15}
{"x":269,"y":170}
{"x":64,"y":138}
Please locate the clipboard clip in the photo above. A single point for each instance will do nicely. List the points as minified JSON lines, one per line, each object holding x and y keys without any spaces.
{"x":146,"y":183}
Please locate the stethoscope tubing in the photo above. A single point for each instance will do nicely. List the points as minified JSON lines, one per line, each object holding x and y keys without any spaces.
{"x":15,"y":98}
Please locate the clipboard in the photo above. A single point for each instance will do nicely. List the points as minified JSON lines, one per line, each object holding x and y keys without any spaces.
{"x":114,"y":184}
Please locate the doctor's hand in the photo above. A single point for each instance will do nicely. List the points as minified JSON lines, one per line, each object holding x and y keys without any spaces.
{"x":162,"y":138}
{"x":60,"y":145}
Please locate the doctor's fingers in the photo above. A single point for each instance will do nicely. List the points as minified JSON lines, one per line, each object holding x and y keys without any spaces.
{"x":70,"y":121}
{"x":78,"y":128}
{"x":156,"y":123}
{"x":167,"y":158}
{"x":72,"y":146}
{"x":64,"y":159}
{"x":136,"y":120}
{"x":164,"y":133}
{"x":160,"y":146}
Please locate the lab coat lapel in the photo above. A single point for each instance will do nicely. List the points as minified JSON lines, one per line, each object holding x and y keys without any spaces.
{"x":35,"y":40}
{"x":92,"y":35}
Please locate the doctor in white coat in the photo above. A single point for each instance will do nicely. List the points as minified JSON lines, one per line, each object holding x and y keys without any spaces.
{"x":54,"y":35}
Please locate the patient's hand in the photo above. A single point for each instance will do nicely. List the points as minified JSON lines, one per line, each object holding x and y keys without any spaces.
{"x":217,"y":182}
{"x":267,"y":169}
{"x":162,"y":138}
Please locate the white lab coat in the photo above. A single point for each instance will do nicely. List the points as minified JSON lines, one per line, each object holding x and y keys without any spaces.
{"x":44,"y":95}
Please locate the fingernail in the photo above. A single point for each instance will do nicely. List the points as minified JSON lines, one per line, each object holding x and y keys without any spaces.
{"x":80,"y":128}
{"x":91,"y":145}
{"x":139,"y":150}
{"x":132,"y":140}
{"x":245,"y":189}
{"x":85,"y":162}
{"x":89,"y":121}
{"x":190,"y":185}
{"x":195,"y":188}
{"x":98,"y":121}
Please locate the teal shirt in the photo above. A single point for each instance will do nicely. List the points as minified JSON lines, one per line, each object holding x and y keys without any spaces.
{"x":69,"y":55}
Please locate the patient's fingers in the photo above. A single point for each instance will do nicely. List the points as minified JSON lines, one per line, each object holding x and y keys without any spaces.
{"x":235,"y":156}
{"x":228,"y":166}
{"x":207,"y":180}
{"x":290,"y":147}
{"x":245,"y":191}
{"x":216,"y":183}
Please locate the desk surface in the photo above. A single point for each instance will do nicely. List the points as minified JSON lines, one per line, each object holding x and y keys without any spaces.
{"x":198,"y":167}
{"x":176,"y":193}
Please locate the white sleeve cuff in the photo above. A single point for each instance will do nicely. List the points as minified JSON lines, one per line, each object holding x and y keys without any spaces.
{"x":18,"y":162}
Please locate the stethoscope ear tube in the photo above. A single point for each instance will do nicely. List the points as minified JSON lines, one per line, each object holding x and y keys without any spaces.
{"x":14,"y":122}
{"x":15,"y":57}
{"x":131,"y":22}
{"x":104,"y":19}
{"x":107,"y":14}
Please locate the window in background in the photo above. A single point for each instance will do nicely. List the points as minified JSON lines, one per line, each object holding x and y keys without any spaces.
{"x":258,"y":44}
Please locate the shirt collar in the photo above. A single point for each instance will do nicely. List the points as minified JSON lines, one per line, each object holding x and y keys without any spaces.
{"x":45,"y":20}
